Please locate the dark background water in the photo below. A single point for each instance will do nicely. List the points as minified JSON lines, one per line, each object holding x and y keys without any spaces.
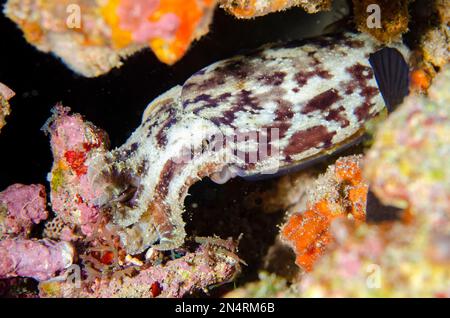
{"x":115,"y":101}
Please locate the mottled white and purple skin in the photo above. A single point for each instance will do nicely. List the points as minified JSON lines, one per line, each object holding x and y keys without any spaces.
{"x":318,"y":94}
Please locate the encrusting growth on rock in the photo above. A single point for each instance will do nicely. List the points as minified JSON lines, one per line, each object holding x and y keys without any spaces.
{"x":340,"y":192}
{"x":39,"y":259}
{"x":393,"y":17}
{"x":408,"y":165}
{"x":5,"y":94}
{"x":21,"y":206}
{"x":246,"y":9}
{"x":208,"y":265}
{"x":94,"y":36}
{"x":74,"y":196}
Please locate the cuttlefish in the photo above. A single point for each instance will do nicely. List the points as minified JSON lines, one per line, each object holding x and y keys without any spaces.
{"x":258,"y":115}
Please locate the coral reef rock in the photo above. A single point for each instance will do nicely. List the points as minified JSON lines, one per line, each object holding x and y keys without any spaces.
{"x":40,"y":260}
{"x":21,"y":206}
{"x":435,"y":43}
{"x":74,"y":195}
{"x":92,"y":37}
{"x":254,"y":8}
{"x":391,"y":259}
{"x":340,"y":192}
{"x":394,"y":18}
{"x":208,"y":265}
{"x":267,"y":286}
{"x":408,"y":165}
{"x":387,"y":260}
{"x":5,"y":94}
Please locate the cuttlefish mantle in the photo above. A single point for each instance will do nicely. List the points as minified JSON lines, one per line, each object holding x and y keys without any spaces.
{"x":256,"y":114}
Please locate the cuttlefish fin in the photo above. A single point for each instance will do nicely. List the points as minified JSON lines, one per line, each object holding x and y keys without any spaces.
{"x":392,"y":75}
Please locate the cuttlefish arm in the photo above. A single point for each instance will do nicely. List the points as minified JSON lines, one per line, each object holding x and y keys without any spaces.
{"x":153,"y":171}
{"x":258,"y":114}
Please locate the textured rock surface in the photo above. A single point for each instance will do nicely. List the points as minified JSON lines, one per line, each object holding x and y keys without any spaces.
{"x":408,"y":164}
{"x":254,"y":8}
{"x":40,"y":260}
{"x":21,"y":206}
{"x":208,"y":265}
{"x":5,"y":94}
{"x":390,"y":260}
{"x":92,"y":37}
{"x":394,"y":18}
{"x":341,"y":192}
{"x":74,"y":193}
{"x":384,"y":260}
{"x":435,"y":43}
